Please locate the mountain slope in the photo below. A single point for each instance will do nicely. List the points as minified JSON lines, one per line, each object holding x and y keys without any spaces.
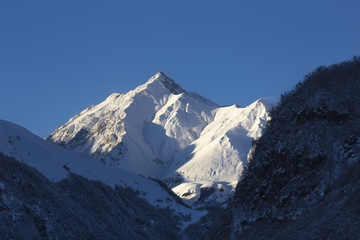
{"x":215,"y":161}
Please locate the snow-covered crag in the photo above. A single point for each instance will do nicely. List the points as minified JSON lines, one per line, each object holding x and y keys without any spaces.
{"x":159,"y":130}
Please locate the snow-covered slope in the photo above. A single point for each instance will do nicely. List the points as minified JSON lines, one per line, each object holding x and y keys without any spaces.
{"x":55,"y":163}
{"x":216,"y":159}
{"x":162,"y":131}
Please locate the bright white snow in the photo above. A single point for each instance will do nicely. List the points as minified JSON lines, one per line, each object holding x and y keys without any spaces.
{"x":152,"y":122}
{"x":216,"y":159}
{"x":162,"y":131}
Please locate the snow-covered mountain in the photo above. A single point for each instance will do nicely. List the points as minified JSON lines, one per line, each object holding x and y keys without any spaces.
{"x":56,"y":163}
{"x":161,"y":131}
{"x":139,"y":131}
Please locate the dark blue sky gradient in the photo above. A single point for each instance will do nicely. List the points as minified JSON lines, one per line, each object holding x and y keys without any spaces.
{"x":58,"y":57}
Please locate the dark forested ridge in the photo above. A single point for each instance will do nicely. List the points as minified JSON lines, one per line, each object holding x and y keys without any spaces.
{"x":303,"y":178}
{"x":32,"y":207}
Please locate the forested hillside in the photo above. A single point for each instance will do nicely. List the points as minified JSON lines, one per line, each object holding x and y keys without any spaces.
{"x":303,"y":178}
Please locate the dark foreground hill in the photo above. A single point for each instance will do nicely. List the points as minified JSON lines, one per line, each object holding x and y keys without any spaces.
{"x":32,"y":207}
{"x":303,"y":178}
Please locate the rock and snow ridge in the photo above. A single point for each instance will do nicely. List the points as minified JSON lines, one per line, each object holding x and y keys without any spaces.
{"x":160,"y":130}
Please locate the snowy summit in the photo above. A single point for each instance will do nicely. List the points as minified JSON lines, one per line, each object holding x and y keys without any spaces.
{"x":162,"y":131}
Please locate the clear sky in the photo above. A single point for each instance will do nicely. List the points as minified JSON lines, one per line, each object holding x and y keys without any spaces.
{"x":59,"y":57}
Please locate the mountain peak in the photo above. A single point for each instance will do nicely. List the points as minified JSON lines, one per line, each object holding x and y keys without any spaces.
{"x":167,"y":82}
{"x":267,"y":104}
{"x":161,"y":74}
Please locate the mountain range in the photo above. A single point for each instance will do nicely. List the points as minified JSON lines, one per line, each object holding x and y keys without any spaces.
{"x":162,"y":131}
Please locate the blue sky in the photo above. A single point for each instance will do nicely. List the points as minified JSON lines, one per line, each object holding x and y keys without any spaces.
{"x":58,"y":57}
